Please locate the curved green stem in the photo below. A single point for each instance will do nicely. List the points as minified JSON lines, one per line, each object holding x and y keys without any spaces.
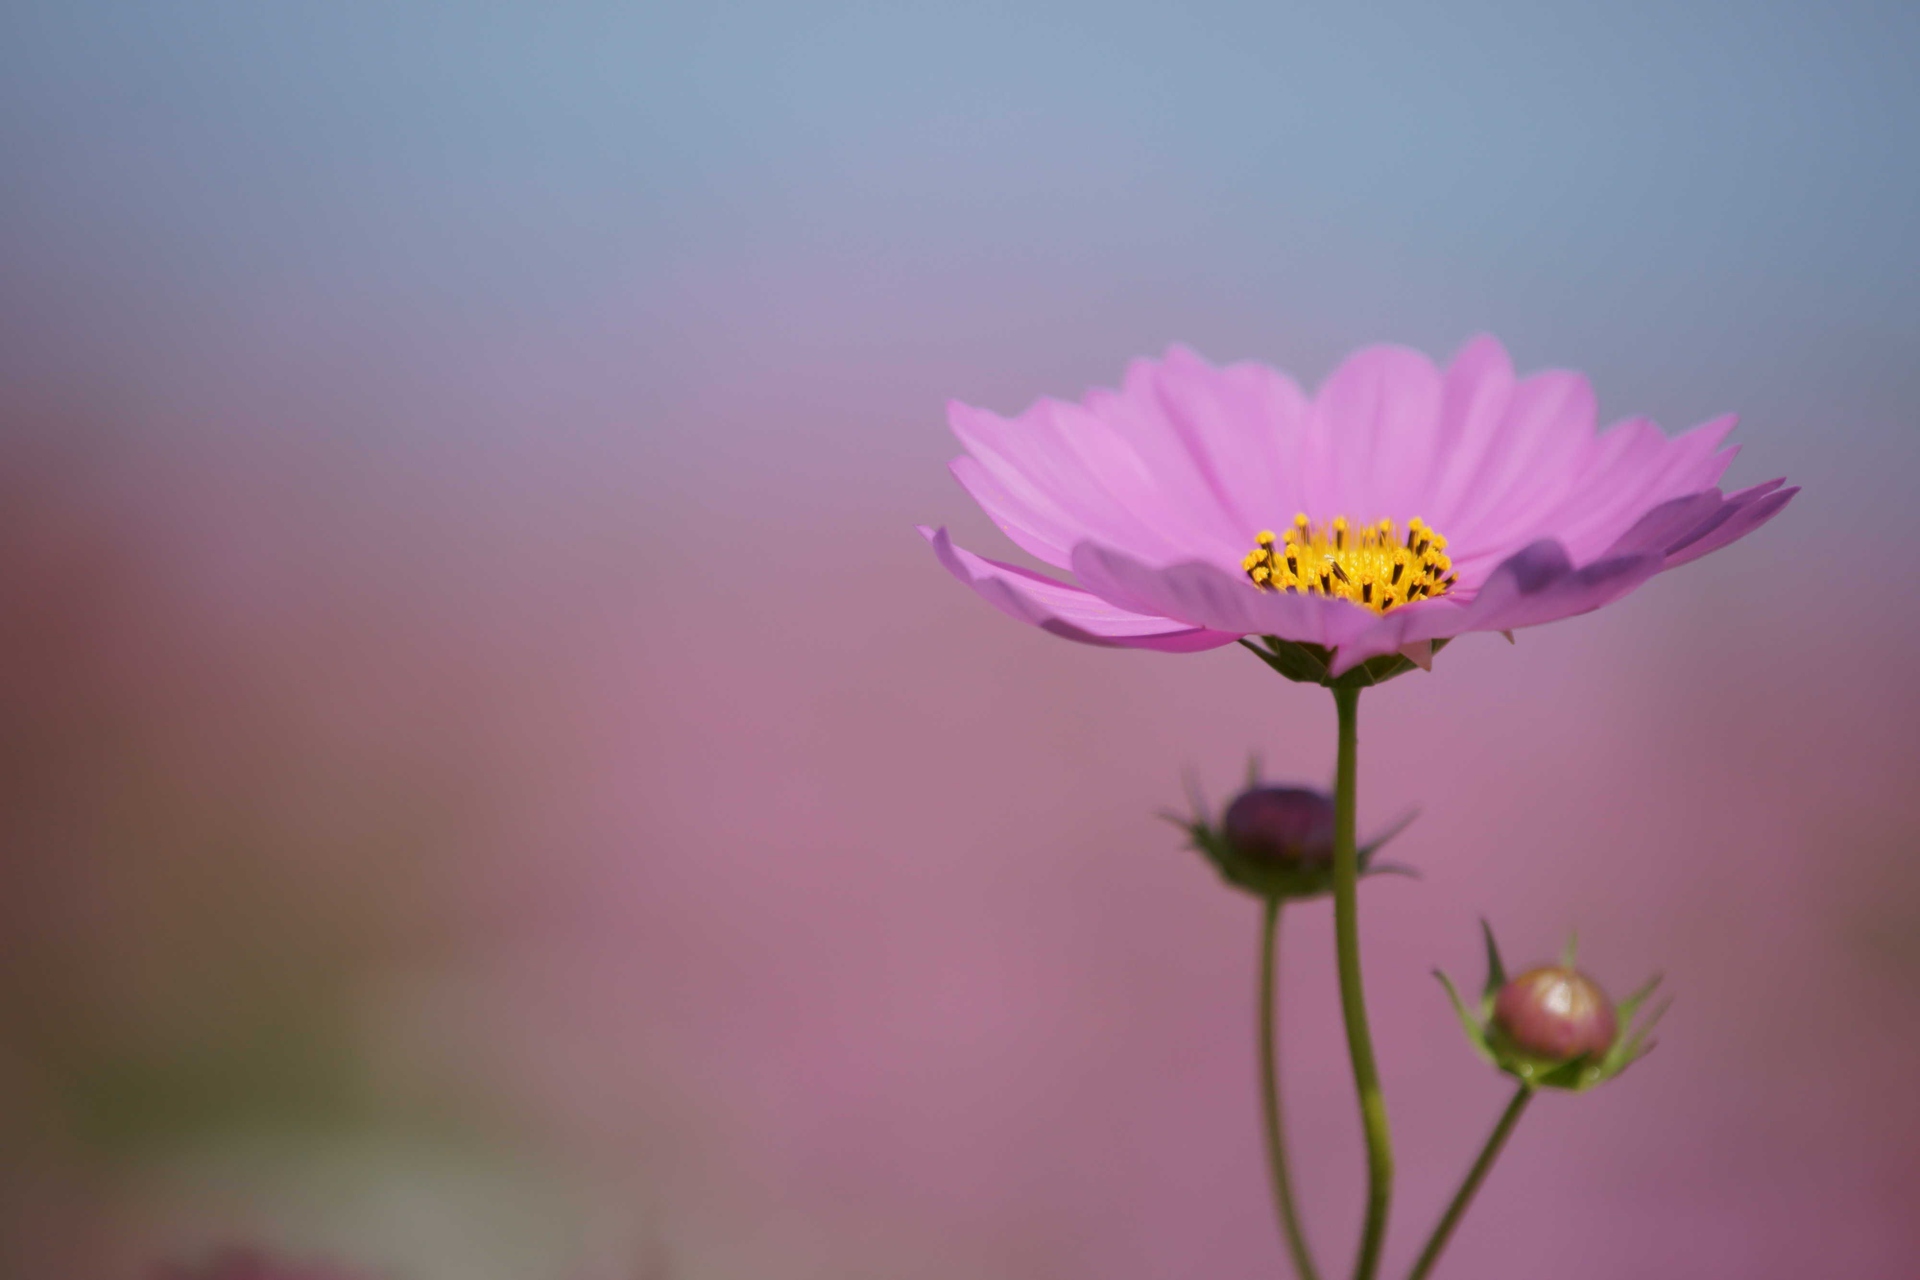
{"x":1353,"y":1000}
{"x":1475,"y":1176}
{"x":1270,"y":1094}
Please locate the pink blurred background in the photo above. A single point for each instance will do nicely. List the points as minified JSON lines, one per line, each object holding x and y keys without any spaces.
{"x":494,"y":786}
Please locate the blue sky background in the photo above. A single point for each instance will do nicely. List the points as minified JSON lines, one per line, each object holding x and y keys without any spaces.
{"x":1707,"y":207}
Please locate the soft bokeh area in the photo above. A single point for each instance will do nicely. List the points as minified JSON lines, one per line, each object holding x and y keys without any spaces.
{"x":495,"y":789}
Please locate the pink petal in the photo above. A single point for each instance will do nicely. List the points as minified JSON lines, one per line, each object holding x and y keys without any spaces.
{"x":1241,"y":425}
{"x":1478,"y":388}
{"x":1537,"y":584}
{"x":1187,"y":477}
{"x":1066,"y":610}
{"x":1410,"y":630}
{"x":1670,"y":524}
{"x":1028,"y":457}
{"x":1621,"y":468}
{"x":1742,"y":513}
{"x":1035,"y":525}
{"x":1683,"y":529}
{"x":1649,"y":470}
{"x":1185,"y":523}
{"x":1540,"y":583}
{"x":1207,"y":596}
{"x":1375,"y":416}
{"x":1063,"y":462}
{"x":1533,"y":462}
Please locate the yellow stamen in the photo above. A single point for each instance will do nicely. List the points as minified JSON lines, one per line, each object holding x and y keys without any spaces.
{"x":1372,"y":565}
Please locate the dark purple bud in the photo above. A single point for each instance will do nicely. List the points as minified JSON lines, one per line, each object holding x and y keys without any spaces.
{"x":1280,"y":827}
{"x":1555,"y":1013}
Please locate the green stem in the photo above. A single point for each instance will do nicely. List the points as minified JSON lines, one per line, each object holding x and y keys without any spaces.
{"x":1353,"y":1000}
{"x":1270,"y":1094}
{"x":1475,"y":1176}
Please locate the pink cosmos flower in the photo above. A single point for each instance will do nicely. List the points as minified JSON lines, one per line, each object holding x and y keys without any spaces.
{"x":1414,"y":505}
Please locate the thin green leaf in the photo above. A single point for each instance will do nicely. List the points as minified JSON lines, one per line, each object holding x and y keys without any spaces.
{"x":1186,"y":824}
{"x":1476,"y":1036}
{"x":1392,"y":869}
{"x":1625,"y":1009}
{"x":1196,"y":795}
{"x":1394,"y":828}
{"x":1651,"y":1021}
{"x":1635,"y":1045}
{"x":1496,"y":972}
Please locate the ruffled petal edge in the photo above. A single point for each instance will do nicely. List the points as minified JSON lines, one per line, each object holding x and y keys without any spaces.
{"x":1535,"y":585}
{"x":1064,"y":610}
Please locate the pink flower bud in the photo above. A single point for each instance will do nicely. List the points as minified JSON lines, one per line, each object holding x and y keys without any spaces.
{"x":1555,"y":1013}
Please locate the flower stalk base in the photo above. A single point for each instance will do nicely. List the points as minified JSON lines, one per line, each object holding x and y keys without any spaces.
{"x":1353,"y":999}
{"x":1475,"y":1176}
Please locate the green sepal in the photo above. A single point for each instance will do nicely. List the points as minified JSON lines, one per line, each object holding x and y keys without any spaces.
{"x":1313,"y":663}
{"x":1633,"y":1043}
{"x":1628,"y":1007}
{"x":1546,"y":1073}
{"x":1375,"y":670}
{"x":1638,"y":1045}
{"x":1476,"y":1034}
{"x":1394,"y":828}
{"x":1496,"y":972}
{"x":1301,"y":663}
{"x":1581,"y":1073}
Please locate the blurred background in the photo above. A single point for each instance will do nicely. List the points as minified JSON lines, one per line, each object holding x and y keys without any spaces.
{"x":495,"y":789}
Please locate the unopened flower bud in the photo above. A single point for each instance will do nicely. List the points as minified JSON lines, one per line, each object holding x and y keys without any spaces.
{"x":1555,"y":1013}
{"x":1281,"y":827}
{"x":1277,"y":842}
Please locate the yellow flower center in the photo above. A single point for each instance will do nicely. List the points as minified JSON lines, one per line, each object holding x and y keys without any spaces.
{"x":1371,"y":565}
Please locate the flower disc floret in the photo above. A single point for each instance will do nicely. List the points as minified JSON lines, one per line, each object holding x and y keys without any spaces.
{"x":1372,"y":565}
